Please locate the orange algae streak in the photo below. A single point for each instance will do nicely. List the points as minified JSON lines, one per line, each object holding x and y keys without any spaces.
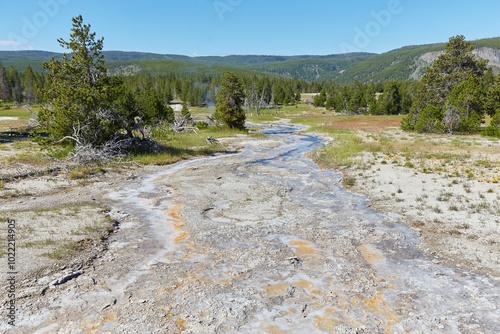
{"x":181,"y":324}
{"x":304,"y":284}
{"x":370,"y":254}
{"x":274,"y":330}
{"x":181,"y":237}
{"x":326,"y":321}
{"x":276,"y":289}
{"x":302,"y":248}
{"x":174,"y":212}
{"x":96,"y":328}
{"x":378,"y":305}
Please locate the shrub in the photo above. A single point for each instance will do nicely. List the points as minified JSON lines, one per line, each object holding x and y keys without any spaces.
{"x":493,"y":129}
{"x":430,"y":120}
{"x":350,"y":181}
{"x":201,"y":125}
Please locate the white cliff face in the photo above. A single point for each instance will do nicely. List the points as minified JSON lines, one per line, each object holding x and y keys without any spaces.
{"x":492,"y":55}
{"x":430,"y":57}
{"x":425,"y":60}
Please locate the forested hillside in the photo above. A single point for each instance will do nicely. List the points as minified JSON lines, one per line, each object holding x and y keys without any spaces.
{"x":401,"y":64}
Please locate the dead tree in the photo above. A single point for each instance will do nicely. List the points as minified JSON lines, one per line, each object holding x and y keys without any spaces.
{"x":212,"y":141}
{"x":86,"y":153}
{"x":138,"y":126}
{"x":211,"y":120}
{"x":181,"y":123}
{"x":451,"y":118}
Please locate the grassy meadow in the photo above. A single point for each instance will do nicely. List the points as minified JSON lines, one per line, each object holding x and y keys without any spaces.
{"x":353,"y":141}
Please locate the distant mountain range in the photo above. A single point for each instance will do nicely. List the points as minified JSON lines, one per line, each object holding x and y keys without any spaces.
{"x":404,"y":63}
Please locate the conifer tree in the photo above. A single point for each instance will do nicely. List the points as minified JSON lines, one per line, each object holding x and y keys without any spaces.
{"x":229,"y":102}
{"x":80,"y":93}
{"x":449,"y":92}
{"x":4,"y":85}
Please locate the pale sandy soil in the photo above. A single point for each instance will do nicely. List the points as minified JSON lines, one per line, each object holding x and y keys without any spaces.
{"x":451,"y":198}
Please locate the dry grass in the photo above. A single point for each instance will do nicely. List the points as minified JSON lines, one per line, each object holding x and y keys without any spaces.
{"x":374,"y":124}
{"x":379,"y":137}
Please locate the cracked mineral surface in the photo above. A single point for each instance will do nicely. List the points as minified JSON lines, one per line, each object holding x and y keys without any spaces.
{"x":262,"y":241}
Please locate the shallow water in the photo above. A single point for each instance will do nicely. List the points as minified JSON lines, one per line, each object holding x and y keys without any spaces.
{"x":452,"y":300}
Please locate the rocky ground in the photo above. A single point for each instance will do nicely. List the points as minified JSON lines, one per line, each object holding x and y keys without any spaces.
{"x":261,"y":241}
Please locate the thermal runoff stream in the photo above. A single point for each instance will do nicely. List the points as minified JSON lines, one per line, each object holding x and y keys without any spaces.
{"x":264,"y":241}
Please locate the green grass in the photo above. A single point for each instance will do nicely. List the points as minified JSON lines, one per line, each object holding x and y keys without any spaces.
{"x":343,"y":153}
{"x":63,"y":251}
{"x":21,"y":113}
{"x":84,"y":172}
{"x":181,"y":146}
{"x":60,"y":151}
{"x":29,"y":158}
{"x":274,"y":114}
{"x":39,"y":244}
{"x":15,"y":112}
{"x":70,"y":248}
{"x":350,"y":181}
{"x":263,"y":117}
{"x":201,"y":113}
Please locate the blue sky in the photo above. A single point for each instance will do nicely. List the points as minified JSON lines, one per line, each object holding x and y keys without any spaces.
{"x":224,"y":27}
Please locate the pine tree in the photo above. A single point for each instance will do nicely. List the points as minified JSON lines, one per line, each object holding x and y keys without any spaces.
{"x":4,"y":85}
{"x":127,"y":107}
{"x":450,"y":89}
{"x":229,"y":102}
{"x":492,"y":100}
{"x":80,"y":93}
{"x":186,"y":113}
{"x":30,"y":86}
{"x":320,"y":99}
{"x":390,"y":100}
{"x":492,"y":106}
{"x":16,"y":88}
